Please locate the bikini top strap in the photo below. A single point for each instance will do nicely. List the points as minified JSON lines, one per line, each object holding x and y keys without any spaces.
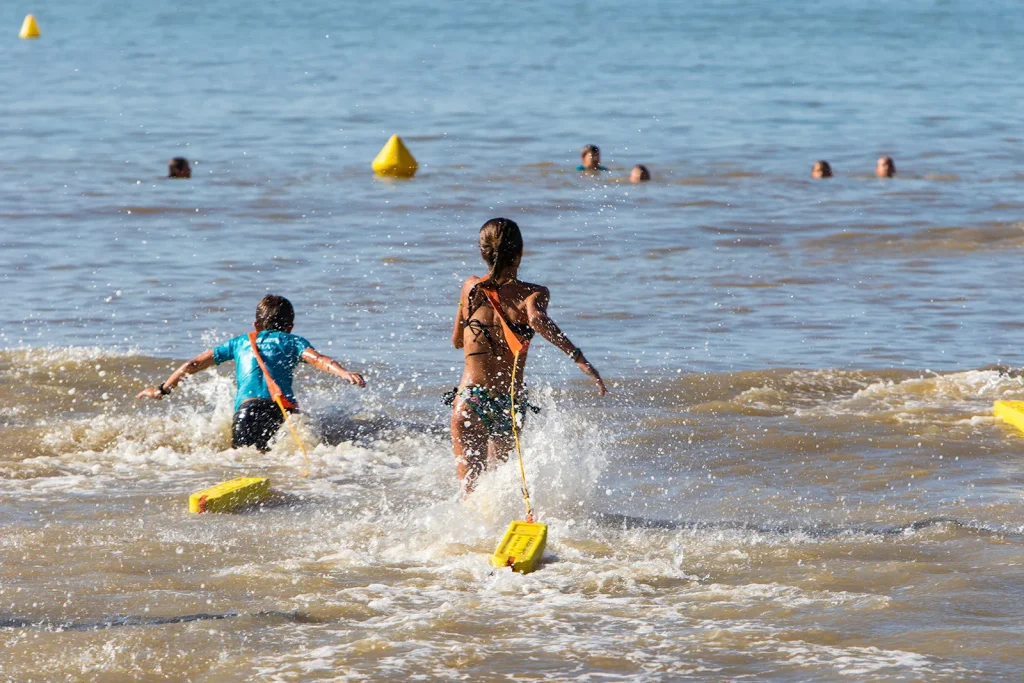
{"x":275,"y":391}
{"x":516,"y":344}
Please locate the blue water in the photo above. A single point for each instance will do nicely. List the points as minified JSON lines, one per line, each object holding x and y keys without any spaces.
{"x":282,"y":109}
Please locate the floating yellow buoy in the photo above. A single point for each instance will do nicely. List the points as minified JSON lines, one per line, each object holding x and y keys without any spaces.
{"x":522,"y":547}
{"x":395,"y":160}
{"x":29,"y":28}
{"x":1010,"y":411}
{"x":230,"y":496}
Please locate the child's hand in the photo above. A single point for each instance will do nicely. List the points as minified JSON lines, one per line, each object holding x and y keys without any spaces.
{"x":151,"y":392}
{"x":355,"y":378}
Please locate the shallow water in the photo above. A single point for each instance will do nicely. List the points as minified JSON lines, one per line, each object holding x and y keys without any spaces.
{"x":796,"y":474}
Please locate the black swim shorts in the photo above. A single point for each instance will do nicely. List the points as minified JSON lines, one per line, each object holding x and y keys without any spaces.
{"x":256,"y":422}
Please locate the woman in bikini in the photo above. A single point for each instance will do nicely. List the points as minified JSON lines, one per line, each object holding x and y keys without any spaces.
{"x":481,"y":409}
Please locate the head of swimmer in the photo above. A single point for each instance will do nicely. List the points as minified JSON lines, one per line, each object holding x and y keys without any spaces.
{"x":501,"y":246}
{"x":885,"y":168}
{"x":822,"y":169}
{"x":275,"y":313}
{"x":639,"y":174}
{"x":178,"y":168}
{"x":590,"y":157}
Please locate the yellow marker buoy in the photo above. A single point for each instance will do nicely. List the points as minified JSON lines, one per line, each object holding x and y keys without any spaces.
{"x":395,"y":160}
{"x":29,"y":28}
{"x":230,"y":496}
{"x":1010,"y":411}
{"x":522,"y":547}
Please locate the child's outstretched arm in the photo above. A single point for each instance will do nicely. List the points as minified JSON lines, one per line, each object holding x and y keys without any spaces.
{"x":197,"y":364}
{"x":537,"y":310}
{"x":328,"y":364}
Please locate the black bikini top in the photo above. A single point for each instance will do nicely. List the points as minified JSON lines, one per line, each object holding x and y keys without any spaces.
{"x":478,"y":328}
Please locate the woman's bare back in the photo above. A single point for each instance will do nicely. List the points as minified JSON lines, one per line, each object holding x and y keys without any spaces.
{"x":487,"y":354}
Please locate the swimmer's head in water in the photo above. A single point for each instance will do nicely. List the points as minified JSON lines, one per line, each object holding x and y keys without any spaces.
{"x":885,"y":168}
{"x":590,"y":155}
{"x":274,"y":312}
{"x":501,"y":246}
{"x":178,"y":168}
{"x":822,"y":169}
{"x":639,"y":174}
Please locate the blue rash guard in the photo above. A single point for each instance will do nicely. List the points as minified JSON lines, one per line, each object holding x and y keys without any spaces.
{"x":280,"y":351}
{"x":581,"y":167}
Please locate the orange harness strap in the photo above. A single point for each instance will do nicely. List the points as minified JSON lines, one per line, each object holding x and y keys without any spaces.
{"x":279,"y":398}
{"x":275,"y":391}
{"x":515,"y":344}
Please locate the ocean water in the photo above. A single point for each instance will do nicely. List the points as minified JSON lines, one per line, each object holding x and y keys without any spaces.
{"x":796,"y":474}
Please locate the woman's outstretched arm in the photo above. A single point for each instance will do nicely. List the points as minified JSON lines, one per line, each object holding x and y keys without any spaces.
{"x":537,"y":310}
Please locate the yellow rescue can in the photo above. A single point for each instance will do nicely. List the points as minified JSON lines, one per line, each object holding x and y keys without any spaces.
{"x":230,"y":496}
{"x":1010,"y":411}
{"x":522,"y":547}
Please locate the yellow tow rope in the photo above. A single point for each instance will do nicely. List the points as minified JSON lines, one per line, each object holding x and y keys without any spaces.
{"x":288,"y":421}
{"x":515,"y":433}
{"x":277,"y":396}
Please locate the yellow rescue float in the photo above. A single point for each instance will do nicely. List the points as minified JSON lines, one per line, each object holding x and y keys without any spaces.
{"x":1010,"y":411}
{"x":230,"y":496}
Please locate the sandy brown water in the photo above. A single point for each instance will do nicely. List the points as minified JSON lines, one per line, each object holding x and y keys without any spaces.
{"x":787,"y":524}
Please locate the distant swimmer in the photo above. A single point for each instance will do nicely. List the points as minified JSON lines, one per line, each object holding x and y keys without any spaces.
{"x":178,"y":168}
{"x":639,"y":174}
{"x":591,"y":158}
{"x":822,"y":169}
{"x":497,"y":313}
{"x":257,"y":417}
{"x":885,"y":168}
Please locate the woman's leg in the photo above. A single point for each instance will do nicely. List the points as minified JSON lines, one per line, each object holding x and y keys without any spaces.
{"x":499,"y":447}
{"x":469,"y":443}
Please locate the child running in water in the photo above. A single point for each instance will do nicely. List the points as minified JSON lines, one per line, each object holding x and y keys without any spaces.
{"x":481,"y":416}
{"x":257,"y":417}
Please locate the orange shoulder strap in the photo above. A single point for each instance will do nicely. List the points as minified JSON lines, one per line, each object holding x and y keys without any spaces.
{"x":511,"y":338}
{"x":275,"y":391}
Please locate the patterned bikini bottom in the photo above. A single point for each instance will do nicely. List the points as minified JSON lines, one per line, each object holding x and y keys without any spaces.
{"x":494,"y":409}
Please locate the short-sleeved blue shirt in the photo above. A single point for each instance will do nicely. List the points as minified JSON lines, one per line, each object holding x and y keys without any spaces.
{"x":281,"y":352}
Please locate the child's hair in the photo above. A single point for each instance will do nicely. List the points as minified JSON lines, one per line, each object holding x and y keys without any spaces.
{"x":500,"y":244}
{"x":276,"y":313}
{"x":645,"y":174}
{"x":589,"y":149}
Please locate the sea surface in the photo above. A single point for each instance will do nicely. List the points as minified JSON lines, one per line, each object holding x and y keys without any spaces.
{"x":796,"y":474}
